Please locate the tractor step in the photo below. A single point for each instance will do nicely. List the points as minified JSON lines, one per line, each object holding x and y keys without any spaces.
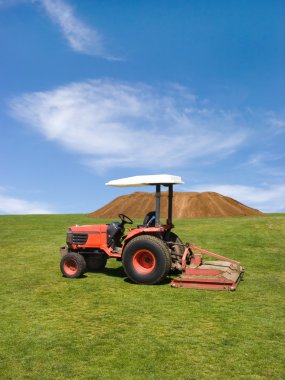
{"x":222,"y":274}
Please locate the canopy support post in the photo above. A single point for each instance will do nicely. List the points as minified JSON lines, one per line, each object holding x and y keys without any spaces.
{"x":157,"y":206}
{"x":170,"y":197}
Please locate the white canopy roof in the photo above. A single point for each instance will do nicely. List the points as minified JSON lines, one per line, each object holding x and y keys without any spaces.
{"x":144,"y":180}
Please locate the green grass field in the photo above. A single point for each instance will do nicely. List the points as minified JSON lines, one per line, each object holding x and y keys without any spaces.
{"x":104,"y":327}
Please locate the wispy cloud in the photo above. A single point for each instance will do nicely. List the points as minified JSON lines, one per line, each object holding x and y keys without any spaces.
{"x":269,"y":198}
{"x":11,"y":205}
{"x":266,"y":163}
{"x":81,"y":37}
{"x":276,"y":122}
{"x":114,"y":124}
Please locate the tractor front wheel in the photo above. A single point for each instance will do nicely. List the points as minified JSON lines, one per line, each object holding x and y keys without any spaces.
{"x":73,"y":265}
{"x":146,"y":260}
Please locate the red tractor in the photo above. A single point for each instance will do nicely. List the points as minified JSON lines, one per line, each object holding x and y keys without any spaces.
{"x":150,"y":251}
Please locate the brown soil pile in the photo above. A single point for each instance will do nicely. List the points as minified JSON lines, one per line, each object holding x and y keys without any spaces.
{"x":185,"y":205}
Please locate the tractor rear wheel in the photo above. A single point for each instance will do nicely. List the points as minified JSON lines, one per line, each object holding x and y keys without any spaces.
{"x":73,"y":265}
{"x":95,"y":262}
{"x":146,"y":260}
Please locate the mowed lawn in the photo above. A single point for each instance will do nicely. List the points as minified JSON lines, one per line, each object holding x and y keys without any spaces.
{"x":104,"y":327}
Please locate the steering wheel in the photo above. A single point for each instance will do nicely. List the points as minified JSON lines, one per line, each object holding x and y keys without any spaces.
{"x":125,"y":219}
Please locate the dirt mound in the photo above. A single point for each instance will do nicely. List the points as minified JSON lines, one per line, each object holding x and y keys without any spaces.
{"x":185,"y":205}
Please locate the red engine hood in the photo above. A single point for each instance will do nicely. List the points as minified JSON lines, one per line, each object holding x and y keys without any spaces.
{"x":101,"y":228}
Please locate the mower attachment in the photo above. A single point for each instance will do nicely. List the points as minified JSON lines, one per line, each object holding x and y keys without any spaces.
{"x":215,"y":275}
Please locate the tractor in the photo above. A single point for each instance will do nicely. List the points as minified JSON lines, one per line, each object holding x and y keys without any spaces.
{"x":149,"y":252}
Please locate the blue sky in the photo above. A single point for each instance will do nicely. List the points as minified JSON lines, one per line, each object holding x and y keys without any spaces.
{"x":98,"y":90}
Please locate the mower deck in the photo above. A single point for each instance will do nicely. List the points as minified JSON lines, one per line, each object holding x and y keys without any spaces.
{"x":224,"y":274}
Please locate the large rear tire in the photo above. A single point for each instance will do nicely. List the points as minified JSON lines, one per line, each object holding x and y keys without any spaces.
{"x":146,"y":260}
{"x":73,"y":265}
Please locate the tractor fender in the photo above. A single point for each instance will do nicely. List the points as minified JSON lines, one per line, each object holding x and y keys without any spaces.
{"x":154,"y":231}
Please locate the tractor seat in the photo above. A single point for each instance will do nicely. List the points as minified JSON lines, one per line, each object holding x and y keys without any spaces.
{"x":149,"y":220}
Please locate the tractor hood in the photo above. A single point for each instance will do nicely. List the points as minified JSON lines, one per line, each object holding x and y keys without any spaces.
{"x":99,"y":228}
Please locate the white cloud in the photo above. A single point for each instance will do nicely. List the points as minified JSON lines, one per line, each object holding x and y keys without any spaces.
{"x":276,"y":124}
{"x":80,"y":36}
{"x":266,"y":163}
{"x":270,"y":198}
{"x":11,"y":205}
{"x":113,"y":124}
